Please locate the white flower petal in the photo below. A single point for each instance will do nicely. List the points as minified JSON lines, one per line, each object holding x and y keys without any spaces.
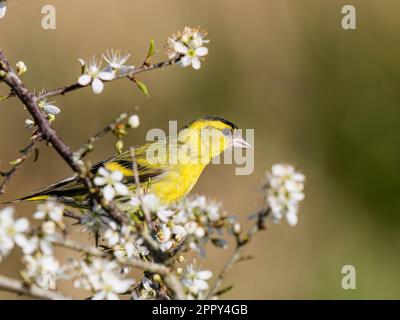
{"x":7,"y":215}
{"x":291,"y":218}
{"x":179,"y":231}
{"x":46,"y":247}
{"x":200,"y":284}
{"x":84,"y":79}
{"x":99,"y":181}
{"x":108,"y":192}
{"x":103,"y":171}
{"x":201,"y":52}
{"x":51,"y":109}
{"x":21,"y":225}
{"x":117,"y":175}
{"x":121,"y":189}
{"x":106,"y":76}
{"x":205,"y":274}
{"x":134,"y":121}
{"x":196,"y":63}
{"x":151,"y":202}
{"x":185,"y":61}
{"x":180,"y":47}
{"x":97,"y":86}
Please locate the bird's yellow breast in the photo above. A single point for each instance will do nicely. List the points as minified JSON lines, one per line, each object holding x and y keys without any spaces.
{"x":176,"y":183}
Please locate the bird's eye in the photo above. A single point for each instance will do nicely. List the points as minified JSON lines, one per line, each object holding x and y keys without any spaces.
{"x":226,"y":132}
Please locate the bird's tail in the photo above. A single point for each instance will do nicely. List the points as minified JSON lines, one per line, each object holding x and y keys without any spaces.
{"x":65,"y":188}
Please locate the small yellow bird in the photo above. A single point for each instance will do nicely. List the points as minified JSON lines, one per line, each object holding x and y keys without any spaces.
{"x":169,"y":167}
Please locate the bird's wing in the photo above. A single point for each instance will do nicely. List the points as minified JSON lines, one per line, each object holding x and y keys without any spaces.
{"x":74,"y":186}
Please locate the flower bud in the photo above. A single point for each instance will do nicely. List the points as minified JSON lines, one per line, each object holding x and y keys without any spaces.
{"x":119,"y":145}
{"x":29,"y":124}
{"x":21,"y":67}
{"x":237,"y":228}
{"x":179,"y":271}
{"x":156,"y":277}
{"x":133,"y":121}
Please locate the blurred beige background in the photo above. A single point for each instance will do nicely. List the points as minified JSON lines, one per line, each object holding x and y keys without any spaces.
{"x":319,"y":97}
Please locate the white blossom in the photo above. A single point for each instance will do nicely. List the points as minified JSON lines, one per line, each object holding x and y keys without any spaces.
{"x":130,"y":249}
{"x":3,"y":8}
{"x":50,"y":210}
{"x":210,"y":208}
{"x":170,"y":235}
{"x":116,"y":61}
{"x":111,"y":183}
{"x":124,"y":243}
{"x":165,"y":238}
{"x":189,"y":44}
{"x":194,"y":280}
{"x":43,"y":240}
{"x":12,"y":231}
{"x":92,"y":73}
{"x":103,"y":278}
{"x":284,"y":192}
{"x":192,"y":227}
{"x":29,"y":123}
{"x":49,"y":109}
{"x":42,"y":269}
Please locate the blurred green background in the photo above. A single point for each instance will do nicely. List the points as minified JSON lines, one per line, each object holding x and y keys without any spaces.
{"x":319,"y":97}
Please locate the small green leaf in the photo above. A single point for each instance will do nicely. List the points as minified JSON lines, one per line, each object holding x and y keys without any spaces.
{"x":142,"y":87}
{"x":152,"y":49}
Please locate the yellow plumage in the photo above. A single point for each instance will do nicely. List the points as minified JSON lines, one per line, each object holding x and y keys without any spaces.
{"x":168,"y":168}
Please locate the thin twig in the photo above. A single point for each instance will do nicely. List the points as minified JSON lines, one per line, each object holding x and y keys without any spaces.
{"x":33,"y":291}
{"x":237,"y":254}
{"x":141,"y":69}
{"x":88,"y":146}
{"x":8,"y":96}
{"x":25,"y":154}
{"x":72,"y":215}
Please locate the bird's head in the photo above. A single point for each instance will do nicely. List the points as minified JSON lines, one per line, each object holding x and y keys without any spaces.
{"x":210,"y":136}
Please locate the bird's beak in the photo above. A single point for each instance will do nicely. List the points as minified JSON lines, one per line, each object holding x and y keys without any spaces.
{"x":240,"y":143}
